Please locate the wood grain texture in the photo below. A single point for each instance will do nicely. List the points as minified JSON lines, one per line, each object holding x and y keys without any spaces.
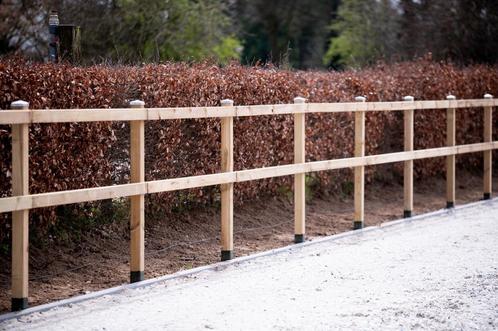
{"x":126,"y":114}
{"x":227,"y":189}
{"x":408,"y":165}
{"x":137,"y":202}
{"x":20,"y":218}
{"x":359,"y":171}
{"x":299,"y":179}
{"x":488,"y":156}
{"x":450,"y":159}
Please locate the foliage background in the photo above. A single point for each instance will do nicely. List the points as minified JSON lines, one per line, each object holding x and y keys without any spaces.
{"x":303,"y":34}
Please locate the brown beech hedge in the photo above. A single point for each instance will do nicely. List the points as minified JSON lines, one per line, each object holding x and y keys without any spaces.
{"x":72,"y":156}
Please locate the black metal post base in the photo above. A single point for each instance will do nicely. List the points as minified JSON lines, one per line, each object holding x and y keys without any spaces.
{"x":487,"y":196}
{"x":450,"y":204}
{"x":19,"y":304}
{"x":357,"y":225}
{"x":407,"y":213}
{"x":298,"y":238}
{"x":136,"y":276}
{"x":226,"y":255}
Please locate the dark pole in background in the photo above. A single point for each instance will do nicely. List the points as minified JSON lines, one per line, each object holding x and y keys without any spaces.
{"x":69,"y":43}
{"x":53,"y":28}
{"x":65,"y":41}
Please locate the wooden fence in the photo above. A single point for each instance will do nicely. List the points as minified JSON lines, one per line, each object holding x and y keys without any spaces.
{"x":20,"y":117}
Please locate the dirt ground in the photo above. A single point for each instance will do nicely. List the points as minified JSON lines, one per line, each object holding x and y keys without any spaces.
{"x":101,"y":260}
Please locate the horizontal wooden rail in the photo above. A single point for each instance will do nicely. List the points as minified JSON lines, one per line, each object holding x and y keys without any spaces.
{"x":40,"y":200}
{"x":126,"y":114}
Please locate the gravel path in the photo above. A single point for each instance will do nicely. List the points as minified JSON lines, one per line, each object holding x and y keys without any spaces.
{"x":436,"y":273}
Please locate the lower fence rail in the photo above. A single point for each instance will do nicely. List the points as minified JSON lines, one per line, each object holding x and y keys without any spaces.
{"x":41,"y":200}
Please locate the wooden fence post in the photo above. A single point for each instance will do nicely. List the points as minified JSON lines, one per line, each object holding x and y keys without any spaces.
{"x":137,"y":212}
{"x":450,"y":159}
{"x":20,"y":219}
{"x":299,"y":179}
{"x":227,"y":189}
{"x":359,"y":172}
{"x":408,"y":165}
{"x":488,"y":155}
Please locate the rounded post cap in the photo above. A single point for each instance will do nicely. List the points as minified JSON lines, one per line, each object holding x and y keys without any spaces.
{"x":360,"y":99}
{"x":19,"y":104}
{"x":450,"y":97}
{"x":226,"y":102}
{"x":488,"y":96}
{"x":408,"y":98}
{"x":299,"y":100}
{"x":137,"y":103}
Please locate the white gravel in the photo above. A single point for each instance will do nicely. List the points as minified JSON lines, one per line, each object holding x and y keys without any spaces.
{"x":437,"y":273}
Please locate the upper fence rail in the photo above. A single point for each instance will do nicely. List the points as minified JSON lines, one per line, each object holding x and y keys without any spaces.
{"x":144,"y":114}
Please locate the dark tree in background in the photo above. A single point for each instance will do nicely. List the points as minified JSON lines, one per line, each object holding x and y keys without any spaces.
{"x":291,"y":33}
{"x":463,"y":31}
